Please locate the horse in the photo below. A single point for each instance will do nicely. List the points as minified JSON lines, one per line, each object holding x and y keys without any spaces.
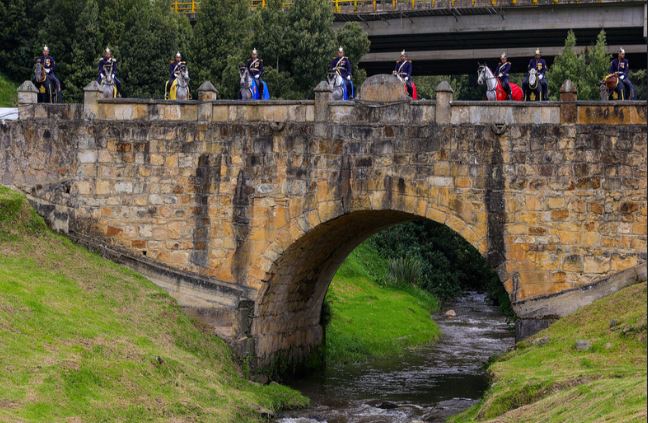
{"x":179,"y":89}
{"x":534,"y":88}
{"x":250,"y":87}
{"x":494,"y":90}
{"x":47,"y":92}
{"x":108,"y":87}
{"x":413,"y":93}
{"x":338,"y":87}
{"x":612,"y":88}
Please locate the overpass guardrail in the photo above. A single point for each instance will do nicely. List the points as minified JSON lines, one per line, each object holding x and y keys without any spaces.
{"x":191,"y":7}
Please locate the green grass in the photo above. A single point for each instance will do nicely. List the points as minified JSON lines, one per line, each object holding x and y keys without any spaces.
{"x":553,"y":382}
{"x":8,"y":94}
{"x":84,"y":339}
{"x":372,"y":320}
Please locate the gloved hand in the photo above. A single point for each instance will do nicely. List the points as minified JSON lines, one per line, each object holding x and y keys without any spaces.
{"x":256,"y":76}
{"x":622,"y":76}
{"x":499,"y":75}
{"x":407,"y":78}
{"x":540,"y":76}
{"x":349,"y":77}
{"x":47,"y":70}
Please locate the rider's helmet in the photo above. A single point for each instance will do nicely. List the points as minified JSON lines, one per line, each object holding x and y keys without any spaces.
{"x":537,"y":53}
{"x":340,"y":52}
{"x":503,"y":56}
{"x":403,"y":55}
{"x":254,"y":53}
{"x":45,"y":50}
{"x":107,"y":53}
{"x":178,"y":57}
{"x":621,"y":53}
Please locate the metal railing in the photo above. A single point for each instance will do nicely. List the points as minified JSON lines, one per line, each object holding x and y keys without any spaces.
{"x":377,"y":6}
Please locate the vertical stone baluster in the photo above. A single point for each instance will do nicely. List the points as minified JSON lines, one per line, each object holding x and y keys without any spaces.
{"x":443,"y":108}
{"x":206,"y":94}
{"x":27,"y":98}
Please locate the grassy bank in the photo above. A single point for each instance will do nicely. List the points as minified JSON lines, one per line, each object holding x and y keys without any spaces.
{"x":548,"y":379}
{"x":370,"y":320}
{"x":84,"y":339}
{"x":8,"y":95}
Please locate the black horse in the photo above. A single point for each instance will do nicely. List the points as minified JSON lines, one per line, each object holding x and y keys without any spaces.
{"x":47,"y":90}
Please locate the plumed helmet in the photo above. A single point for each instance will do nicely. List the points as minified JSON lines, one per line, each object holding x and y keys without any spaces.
{"x":107,"y":51}
{"x":178,"y":54}
{"x":403,"y":52}
{"x":537,"y":51}
{"x":254,"y":51}
{"x":341,"y":50}
{"x":503,"y":55}
{"x":621,"y":50}
{"x":45,"y":48}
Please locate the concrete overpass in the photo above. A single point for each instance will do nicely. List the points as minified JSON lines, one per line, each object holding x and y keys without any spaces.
{"x":449,"y":39}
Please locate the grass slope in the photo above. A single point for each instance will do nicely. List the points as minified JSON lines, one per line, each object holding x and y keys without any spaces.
{"x":546,"y":379}
{"x":8,"y":95}
{"x":84,"y":339}
{"x":371,"y":320}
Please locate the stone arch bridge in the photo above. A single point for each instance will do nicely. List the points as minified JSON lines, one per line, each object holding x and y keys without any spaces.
{"x":243,"y":210}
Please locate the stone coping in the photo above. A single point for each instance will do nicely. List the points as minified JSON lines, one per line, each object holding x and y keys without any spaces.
{"x":145,"y":101}
{"x":486,"y":103}
{"x":263,"y":102}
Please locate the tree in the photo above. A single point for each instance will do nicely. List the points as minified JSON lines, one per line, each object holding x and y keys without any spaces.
{"x":222,"y":36}
{"x":18,"y":26}
{"x":597,"y":61}
{"x":567,"y":65}
{"x":312,"y":42}
{"x":86,"y":46}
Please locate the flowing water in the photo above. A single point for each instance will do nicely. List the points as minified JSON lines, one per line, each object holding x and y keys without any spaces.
{"x":425,"y":384}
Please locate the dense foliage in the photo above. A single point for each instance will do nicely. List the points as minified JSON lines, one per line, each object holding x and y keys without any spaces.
{"x":144,"y":35}
{"x":434,"y":257}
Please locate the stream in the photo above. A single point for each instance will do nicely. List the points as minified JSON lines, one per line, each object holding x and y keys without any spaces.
{"x":424,"y":384}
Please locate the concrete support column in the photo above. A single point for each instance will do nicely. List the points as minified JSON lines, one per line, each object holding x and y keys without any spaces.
{"x":323,"y":96}
{"x":443,"y":108}
{"x":27,"y":97}
{"x":91,"y":95}
{"x":206,"y":94}
{"x":568,"y":97}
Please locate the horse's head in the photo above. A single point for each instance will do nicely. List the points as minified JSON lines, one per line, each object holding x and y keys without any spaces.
{"x":611,"y":81}
{"x":108,"y":72}
{"x":244,"y":75}
{"x":181,"y":72}
{"x":39,"y":71}
{"x":481,"y":74}
{"x":533,"y":79}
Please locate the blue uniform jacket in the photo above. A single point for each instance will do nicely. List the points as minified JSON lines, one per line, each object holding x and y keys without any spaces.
{"x":620,"y":66}
{"x":48,"y":63}
{"x":403,"y":69}
{"x":343,"y":65}
{"x":504,"y":69}
{"x":539,"y":65}
{"x":102,"y":62}
{"x":255,"y":67}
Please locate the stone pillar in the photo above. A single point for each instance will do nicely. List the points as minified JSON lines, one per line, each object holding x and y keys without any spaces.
{"x":206,"y":94}
{"x":91,"y":95}
{"x":323,"y":96}
{"x":568,"y":97}
{"x":27,"y":97}
{"x":443,"y":108}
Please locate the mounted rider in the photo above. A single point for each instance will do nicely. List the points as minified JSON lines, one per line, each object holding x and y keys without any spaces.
{"x":540,"y":66}
{"x":342,"y":66}
{"x":254,"y":65}
{"x":49,"y":64}
{"x":107,"y":58}
{"x":621,"y":68}
{"x":403,"y":70}
{"x":503,"y":69}
{"x":172,"y":67}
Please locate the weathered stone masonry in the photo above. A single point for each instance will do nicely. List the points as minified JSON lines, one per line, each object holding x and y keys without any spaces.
{"x":244,"y":211}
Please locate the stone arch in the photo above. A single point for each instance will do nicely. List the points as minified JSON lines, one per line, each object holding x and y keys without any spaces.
{"x":286,"y":325}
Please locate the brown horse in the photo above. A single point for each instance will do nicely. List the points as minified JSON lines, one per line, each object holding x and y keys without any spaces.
{"x":612,"y":88}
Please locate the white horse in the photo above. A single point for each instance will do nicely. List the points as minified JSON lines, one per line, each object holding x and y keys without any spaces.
{"x":179,"y":89}
{"x":485,"y":76}
{"x":108,"y":88}
{"x":336,"y":85}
